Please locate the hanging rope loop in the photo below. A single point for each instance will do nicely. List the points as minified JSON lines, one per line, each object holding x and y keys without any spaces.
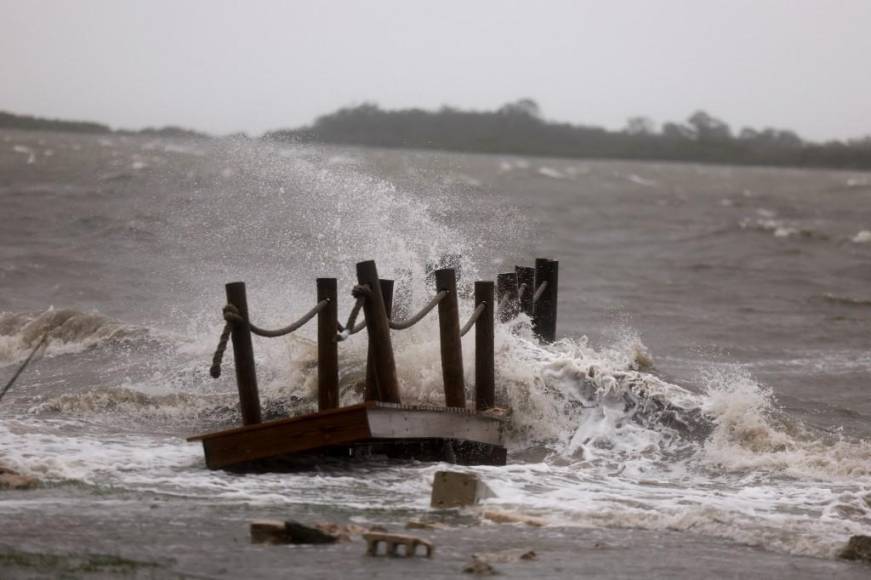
{"x":409,"y":322}
{"x":473,"y":318}
{"x":232,"y":316}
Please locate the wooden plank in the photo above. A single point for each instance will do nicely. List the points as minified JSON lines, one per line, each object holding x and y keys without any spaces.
{"x":385,"y":423}
{"x":283,"y":437}
{"x":271,"y":424}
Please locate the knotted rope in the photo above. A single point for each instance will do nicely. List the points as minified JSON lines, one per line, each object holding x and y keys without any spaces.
{"x":360,"y":293}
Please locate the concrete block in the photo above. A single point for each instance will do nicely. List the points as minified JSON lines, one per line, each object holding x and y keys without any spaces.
{"x":452,"y":489}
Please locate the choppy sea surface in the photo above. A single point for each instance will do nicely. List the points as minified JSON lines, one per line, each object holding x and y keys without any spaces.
{"x":710,"y":386}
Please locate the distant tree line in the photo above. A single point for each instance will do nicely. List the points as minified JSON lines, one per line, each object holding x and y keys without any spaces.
{"x":29,"y":123}
{"x":518,"y":128}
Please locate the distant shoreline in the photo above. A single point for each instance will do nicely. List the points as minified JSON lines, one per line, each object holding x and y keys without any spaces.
{"x":518,"y":129}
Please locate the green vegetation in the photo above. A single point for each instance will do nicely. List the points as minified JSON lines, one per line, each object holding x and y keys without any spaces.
{"x":518,"y":128}
{"x":30,"y":123}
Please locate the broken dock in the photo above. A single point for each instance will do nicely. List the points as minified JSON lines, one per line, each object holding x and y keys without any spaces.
{"x":382,"y":426}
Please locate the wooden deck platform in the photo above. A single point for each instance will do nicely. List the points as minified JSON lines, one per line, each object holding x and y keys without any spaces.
{"x":368,"y":429}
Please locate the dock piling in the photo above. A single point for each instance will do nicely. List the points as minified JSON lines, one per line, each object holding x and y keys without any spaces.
{"x":243,"y":356}
{"x":544,"y":310}
{"x":451,"y":345}
{"x":378,"y":329}
{"x":485,"y":372}
{"x":506,"y":296}
{"x":371,"y":383}
{"x":526,"y":281}
{"x":328,"y":346}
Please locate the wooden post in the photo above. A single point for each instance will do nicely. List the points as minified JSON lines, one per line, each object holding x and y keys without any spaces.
{"x":506,"y":296}
{"x":378,"y":329}
{"x":485,"y":374}
{"x":371,"y":382}
{"x":328,"y":346}
{"x":544,"y":312}
{"x":243,"y":356}
{"x":445,"y":261}
{"x":526,"y":275}
{"x":451,"y":344}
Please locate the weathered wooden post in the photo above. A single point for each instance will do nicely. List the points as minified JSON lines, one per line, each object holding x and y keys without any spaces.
{"x":451,"y":342}
{"x":243,"y":357}
{"x":525,"y":275}
{"x":544,"y":311}
{"x":506,"y":296}
{"x":371,"y":383}
{"x":328,"y":346}
{"x":485,"y":374}
{"x":378,"y":329}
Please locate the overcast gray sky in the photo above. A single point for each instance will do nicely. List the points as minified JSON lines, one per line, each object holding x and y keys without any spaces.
{"x":258,"y":65}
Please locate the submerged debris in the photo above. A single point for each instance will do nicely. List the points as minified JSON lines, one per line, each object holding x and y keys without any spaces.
{"x":479,"y":568}
{"x":858,"y":548}
{"x":290,"y":532}
{"x":505,"y":556}
{"x":392,"y":542}
{"x":10,"y":479}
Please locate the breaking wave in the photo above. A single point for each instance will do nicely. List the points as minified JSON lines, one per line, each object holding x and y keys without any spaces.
{"x":68,"y":331}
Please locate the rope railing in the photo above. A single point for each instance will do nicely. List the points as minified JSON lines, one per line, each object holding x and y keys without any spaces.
{"x":473,"y":318}
{"x":232,"y":316}
{"x":360,"y":293}
{"x":409,"y":322}
{"x":394,"y":324}
{"x":532,"y":291}
{"x":540,"y":292}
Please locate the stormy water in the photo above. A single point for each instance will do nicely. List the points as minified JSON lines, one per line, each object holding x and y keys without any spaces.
{"x":705,"y":405}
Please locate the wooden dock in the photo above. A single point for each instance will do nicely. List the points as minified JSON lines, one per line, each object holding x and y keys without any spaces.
{"x":371,"y":429}
{"x":381,"y":426}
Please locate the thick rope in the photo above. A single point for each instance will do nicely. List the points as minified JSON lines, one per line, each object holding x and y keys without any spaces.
{"x":23,"y":366}
{"x":540,"y":292}
{"x":215,"y":369}
{"x":360,"y":293}
{"x":232,"y":316}
{"x":409,"y":322}
{"x":473,"y":318}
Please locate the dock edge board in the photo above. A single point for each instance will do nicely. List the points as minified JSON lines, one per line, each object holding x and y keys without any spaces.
{"x":390,"y":430}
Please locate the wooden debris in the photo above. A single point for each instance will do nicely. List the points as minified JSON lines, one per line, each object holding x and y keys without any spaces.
{"x":479,"y":568}
{"x":278,"y":532}
{"x":392,"y":542}
{"x":452,"y":489}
